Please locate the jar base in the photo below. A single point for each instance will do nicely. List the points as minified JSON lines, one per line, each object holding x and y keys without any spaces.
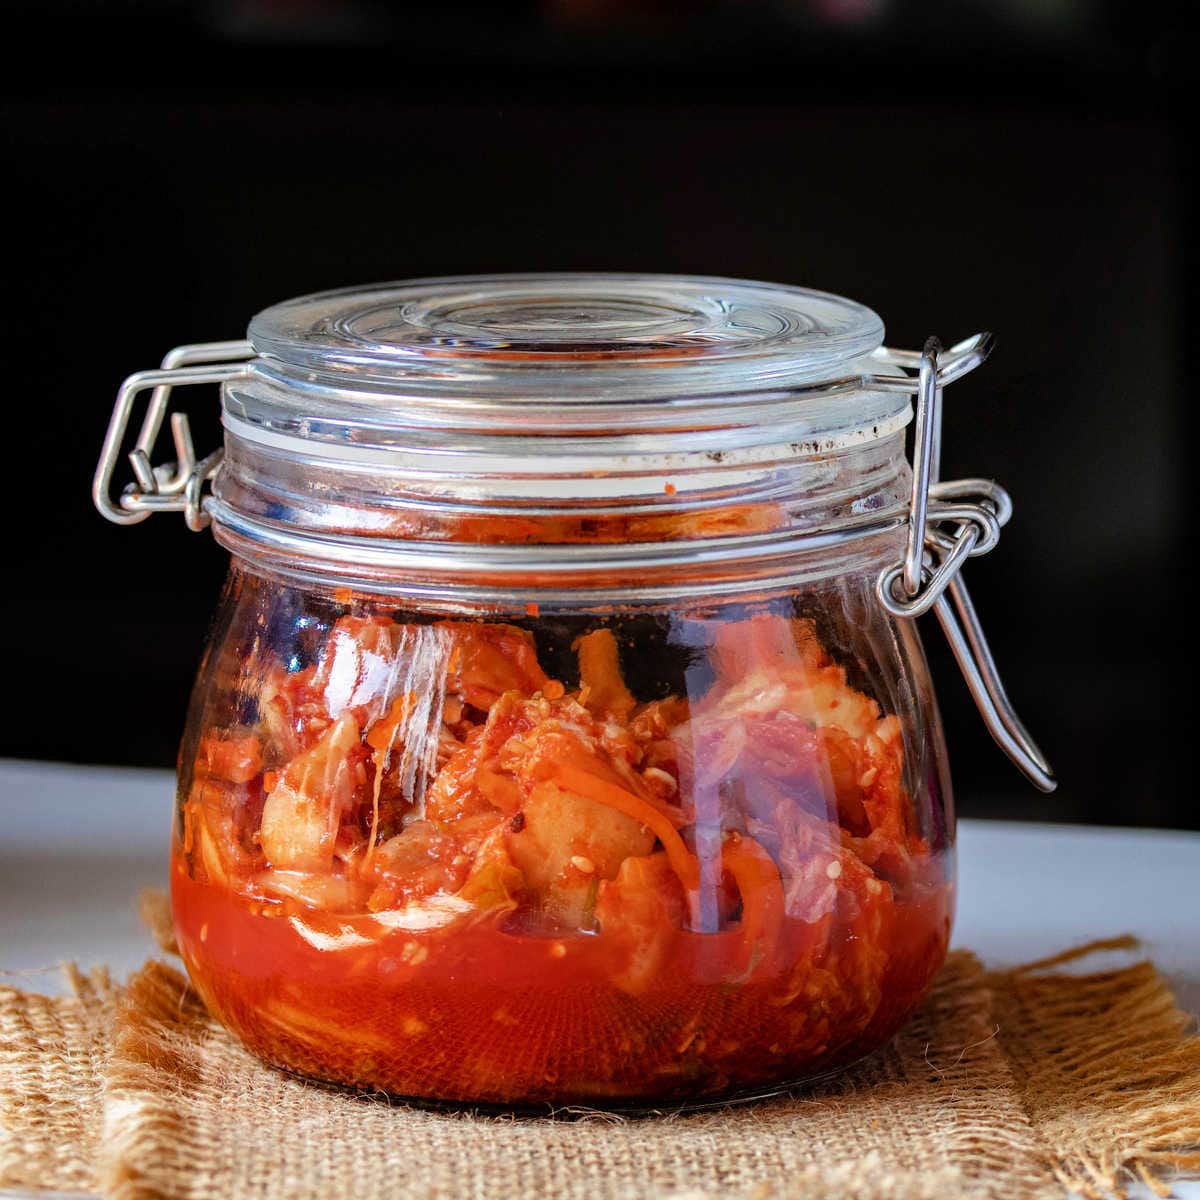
{"x":582,"y":1110}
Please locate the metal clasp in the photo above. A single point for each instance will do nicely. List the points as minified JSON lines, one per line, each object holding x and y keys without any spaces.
{"x":171,"y":487}
{"x":947,"y":524}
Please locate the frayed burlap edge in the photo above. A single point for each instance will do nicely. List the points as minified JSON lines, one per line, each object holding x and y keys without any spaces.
{"x":154,"y":909}
{"x":1106,"y":1069}
{"x":148,"y":1083}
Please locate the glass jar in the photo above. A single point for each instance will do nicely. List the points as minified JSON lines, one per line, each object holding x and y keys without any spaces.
{"x":565,"y":736}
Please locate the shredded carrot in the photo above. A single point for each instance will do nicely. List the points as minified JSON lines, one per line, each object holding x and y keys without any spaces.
{"x":531,"y":609}
{"x":343,"y":595}
{"x":380,"y":757}
{"x":575,"y":779}
{"x":669,"y":488}
{"x":190,"y":812}
{"x":381,"y":738}
{"x":383,"y":732}
{"x":757,"y":878}
{"x":603,"y":688}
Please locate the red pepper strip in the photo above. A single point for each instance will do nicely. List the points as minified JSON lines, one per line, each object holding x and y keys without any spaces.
{"x":574,"y":779}
{"x":757,"y":878}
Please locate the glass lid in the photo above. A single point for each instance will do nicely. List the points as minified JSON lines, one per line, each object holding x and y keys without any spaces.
{"x":566,"y":337}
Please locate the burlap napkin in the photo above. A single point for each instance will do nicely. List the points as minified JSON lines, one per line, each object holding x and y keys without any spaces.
{"x":1004,"y":1085}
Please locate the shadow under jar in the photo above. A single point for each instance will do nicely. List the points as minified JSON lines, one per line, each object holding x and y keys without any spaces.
{"x":557,"y":742}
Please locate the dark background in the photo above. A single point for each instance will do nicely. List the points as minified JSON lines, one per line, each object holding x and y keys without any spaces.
{"x":1017,"y":165}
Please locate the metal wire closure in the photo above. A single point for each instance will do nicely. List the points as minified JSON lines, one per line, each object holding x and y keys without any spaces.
{"x":947,"y":523}
{"x":172,"y":487}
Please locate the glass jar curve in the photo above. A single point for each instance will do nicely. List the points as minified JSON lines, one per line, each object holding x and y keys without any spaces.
{"x":525,"y":853}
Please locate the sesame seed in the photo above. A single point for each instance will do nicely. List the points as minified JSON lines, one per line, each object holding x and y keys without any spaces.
{"x":834,"y":869}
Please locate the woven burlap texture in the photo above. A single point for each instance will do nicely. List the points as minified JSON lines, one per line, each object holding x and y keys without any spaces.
{"x":53,"y":1050}
{"x":1003,"y":1085}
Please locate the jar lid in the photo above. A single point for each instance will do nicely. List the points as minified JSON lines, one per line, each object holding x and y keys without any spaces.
{"x":566,"y":338}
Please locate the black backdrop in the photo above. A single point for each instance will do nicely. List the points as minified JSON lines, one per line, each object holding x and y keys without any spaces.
{"x":173,"y":169}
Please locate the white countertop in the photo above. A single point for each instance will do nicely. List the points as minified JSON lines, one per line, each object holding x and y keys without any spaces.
{"x":77,"y":845}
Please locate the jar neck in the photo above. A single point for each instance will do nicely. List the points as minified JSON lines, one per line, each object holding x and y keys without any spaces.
{"x":691,"y":518}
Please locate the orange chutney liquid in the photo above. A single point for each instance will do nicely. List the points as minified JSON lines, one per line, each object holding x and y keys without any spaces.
{"x":480,"y":1011}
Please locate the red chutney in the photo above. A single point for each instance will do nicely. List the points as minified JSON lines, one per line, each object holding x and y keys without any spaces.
{"x":494,"y":890}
